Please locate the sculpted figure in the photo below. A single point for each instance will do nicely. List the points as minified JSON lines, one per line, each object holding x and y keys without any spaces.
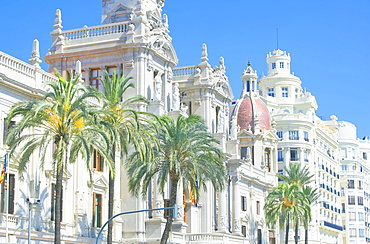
{"x":175,"y":97}
{"x":158,"y":87}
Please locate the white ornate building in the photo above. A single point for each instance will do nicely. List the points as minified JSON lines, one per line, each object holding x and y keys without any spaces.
{"x":272,"y":124}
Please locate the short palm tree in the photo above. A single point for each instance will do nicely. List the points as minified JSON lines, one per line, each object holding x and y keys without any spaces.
{"x":187,"y":152}
{"x":284,"y":204}
{"x":63,"y":120}
{"x":296,"y":174}
{"x":300,"y":176}
{"x":125,"y":126}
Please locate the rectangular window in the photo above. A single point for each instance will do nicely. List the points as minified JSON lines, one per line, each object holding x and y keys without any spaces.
{"x":273,"y":65}
{"x":352,"y":232}
{"x":293,"y":135}
{"x":244,"y":230}
{"x":361,"y":233}
{"x":305,"y":153}
{"x":271,"y":92}
{"x":244,"y":203}
{"x":6,"y":128}
{"x":259,"y":236}
{"x":351,"y":184}
{"x":280,"y":155}
{"x":305,"y":136}
{"x":361,"y":216}
{"x":54,"y":202}
{"x":279,"y":134}
{"x":351,"y":200}
{"x":294,"y":154}
{"x":281,"y":65}
{"x":360,"y":185}
{"x":258,"y":207}
{"x":97,"y":161}
{"x":97,"y":210}
{"x":243,"y":152}
{"x":352,"y":216}
{"x":280,"y":171}
{"x":284,"y":92}
{"x":95,"y":75}
{"x":360,"y":200}
{"x":4,"y":187}
{"x":364,"y":155}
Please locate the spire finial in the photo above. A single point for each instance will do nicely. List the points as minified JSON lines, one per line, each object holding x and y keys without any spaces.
{"x":249,"y":62}
{"x":204,"y":57}
{"x":35,"y":55}
{"x":58,"y":19}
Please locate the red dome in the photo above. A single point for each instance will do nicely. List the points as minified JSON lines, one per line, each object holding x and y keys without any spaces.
{"x":251,"y":108}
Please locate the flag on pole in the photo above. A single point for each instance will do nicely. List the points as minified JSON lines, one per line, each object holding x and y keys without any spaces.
{"x":3,"y":171}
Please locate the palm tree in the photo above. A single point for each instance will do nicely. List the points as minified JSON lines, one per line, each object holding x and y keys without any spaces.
{"x":62,"y":119}
{"x":284,"y":204}
{"x":125,"y":126}
{"x":296,"y":174}
{"x":311,"y":196}
{"x":186,"y":152}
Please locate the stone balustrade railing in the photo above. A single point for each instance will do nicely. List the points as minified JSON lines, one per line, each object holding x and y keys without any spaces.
{"x":23,"y":72}
{"x":184,"y":71}
{"x":94,"y":31}
{"x":16,"y":65}
{"x":215,"y":238}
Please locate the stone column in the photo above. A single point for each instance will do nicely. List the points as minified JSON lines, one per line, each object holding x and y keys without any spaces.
{"x":236,"y":206}
{"x":222,"y":212}
{"x":179,"y":202}
{"x":178,"y":223}
{"x":158,"y":200}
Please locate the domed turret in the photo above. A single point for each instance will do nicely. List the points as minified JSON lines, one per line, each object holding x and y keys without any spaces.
{"x":252,"y":114}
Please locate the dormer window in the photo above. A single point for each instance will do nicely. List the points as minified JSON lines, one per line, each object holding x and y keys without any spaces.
{"x":281,"y":65}
{"x":273,"y":65}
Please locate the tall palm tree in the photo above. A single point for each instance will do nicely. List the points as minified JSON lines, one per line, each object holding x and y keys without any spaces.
{"x":126,"y":127}
{"x":310,"y":196}
{"x":284,"y":204}
{"x":187,"y":152}
{"x":61,"y":119}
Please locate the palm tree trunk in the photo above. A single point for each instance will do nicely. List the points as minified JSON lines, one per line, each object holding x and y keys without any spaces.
{"x":306,"y":236}
{"x":296,"y":233}
{"x":58,"y":201}
{"x":110,"y":207}
{"x":110,"y":201}
{"x":287,"y":231}
{"x":173,"y":196}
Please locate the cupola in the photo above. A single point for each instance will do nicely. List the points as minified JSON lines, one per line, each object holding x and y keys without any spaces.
{"x":278,"y":63}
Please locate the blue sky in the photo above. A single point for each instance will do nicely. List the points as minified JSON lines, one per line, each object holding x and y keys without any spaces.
{"x":329,"y":41}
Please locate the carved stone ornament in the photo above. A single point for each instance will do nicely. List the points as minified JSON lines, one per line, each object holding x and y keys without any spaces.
{"x":129,"y":64}
{"x":223,"y":222}
{"x":236,"y":225}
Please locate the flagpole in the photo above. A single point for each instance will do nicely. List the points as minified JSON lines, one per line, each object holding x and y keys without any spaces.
{"x":7,"y":197}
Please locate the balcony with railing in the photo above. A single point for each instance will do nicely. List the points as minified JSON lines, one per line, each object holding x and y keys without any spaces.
{"x":333,"y":226}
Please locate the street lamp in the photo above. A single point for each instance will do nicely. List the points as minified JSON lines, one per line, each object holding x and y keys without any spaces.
{"x":31,"y":202}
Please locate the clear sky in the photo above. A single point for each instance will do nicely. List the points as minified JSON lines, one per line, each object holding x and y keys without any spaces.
{"x":329,"y":41}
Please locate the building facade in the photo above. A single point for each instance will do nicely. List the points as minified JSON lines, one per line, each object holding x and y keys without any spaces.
{"x":272,"y":124}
